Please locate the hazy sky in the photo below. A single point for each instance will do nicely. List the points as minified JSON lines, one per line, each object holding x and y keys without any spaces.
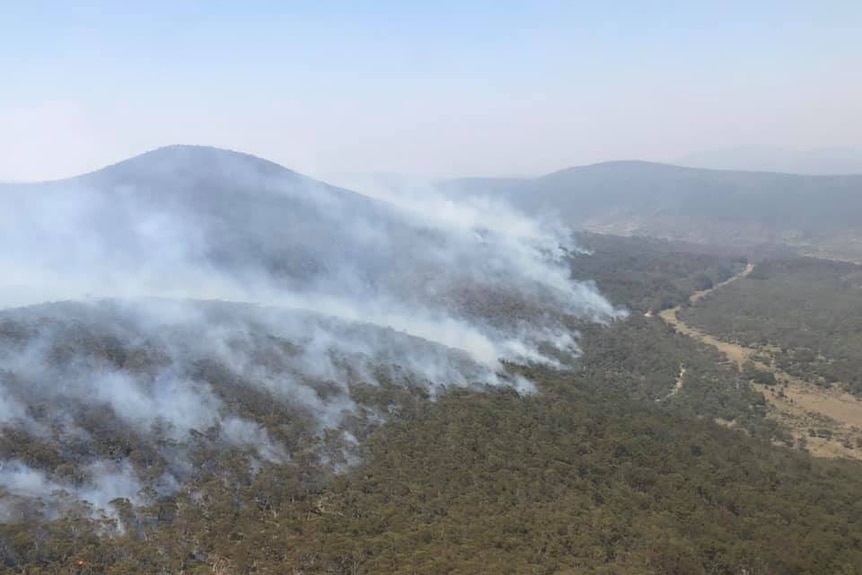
{"x":438,"y":87}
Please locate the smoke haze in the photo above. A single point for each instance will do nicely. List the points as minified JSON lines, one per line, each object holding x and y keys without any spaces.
{"x":171,"y":296}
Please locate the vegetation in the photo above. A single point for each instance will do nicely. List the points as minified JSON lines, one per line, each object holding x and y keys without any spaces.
{"x":804,"y":315}
{"x":706,"y":206}
{"x":646,"y":360}
{"x":616,"y":466}
{"x":575,"y":479}
{"x":648,"y":274}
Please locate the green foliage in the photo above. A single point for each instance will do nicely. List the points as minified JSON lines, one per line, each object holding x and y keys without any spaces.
{"x":649,"y":274}
{"x":572,"y":480}
{"x":804,"y":314}
{"x":642,"y":358}
{"x":614,"y":467}
{"x":752,"y":373}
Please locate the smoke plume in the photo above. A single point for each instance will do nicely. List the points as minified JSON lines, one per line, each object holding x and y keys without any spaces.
{"x":181,"y":295}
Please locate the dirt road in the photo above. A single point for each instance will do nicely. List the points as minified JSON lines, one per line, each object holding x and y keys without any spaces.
{"x":827,"y":422}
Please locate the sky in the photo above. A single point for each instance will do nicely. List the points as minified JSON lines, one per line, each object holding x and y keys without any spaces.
{"x":440,"y":88}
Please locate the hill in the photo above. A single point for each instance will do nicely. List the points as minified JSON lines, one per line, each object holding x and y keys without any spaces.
{"x":705,"y":206}
{"x":201,"y":205}
{"x":250,"y":371}
{"x":194,"y":302}
{"x":203,"y":223}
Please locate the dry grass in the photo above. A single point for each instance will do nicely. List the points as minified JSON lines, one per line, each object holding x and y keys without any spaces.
{"x":826,"y":422}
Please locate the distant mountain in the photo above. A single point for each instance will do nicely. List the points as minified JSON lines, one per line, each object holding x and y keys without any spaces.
{"x":819,"y":161}
{"x":707,"y":206}
{"x":212,"y":221}
{"x":234,"y":368}
{"x":190,"y":222}
{"x":242,"y":214}
{"x":243,"y":217}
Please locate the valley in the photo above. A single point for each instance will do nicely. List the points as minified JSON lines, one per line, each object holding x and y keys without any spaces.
{"x":235,"y":368}
{"x":430,"y":288}
{"x":825,"y":421}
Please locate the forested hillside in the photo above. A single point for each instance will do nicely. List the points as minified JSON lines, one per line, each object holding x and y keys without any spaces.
{"x":615,"y":466}
{"x":576,"y":479}
{"x":261,"y":313}
{"x":373,"y":388}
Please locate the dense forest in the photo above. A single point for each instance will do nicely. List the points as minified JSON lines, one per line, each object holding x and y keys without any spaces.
{"x":803,"y":314}
{"x":575,"y":479}
{"x":615,"y":465}
{"x":648,"y":274}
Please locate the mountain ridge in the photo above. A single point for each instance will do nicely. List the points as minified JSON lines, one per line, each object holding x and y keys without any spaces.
{"x":679,"y":166}
{"x":817,"y":213}
{"x":169,"y":154}
{"x":691,"y":204}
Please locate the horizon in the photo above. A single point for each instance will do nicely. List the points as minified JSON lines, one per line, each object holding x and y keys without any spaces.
{"x":367,"y":182}
{"x":505,"y":89}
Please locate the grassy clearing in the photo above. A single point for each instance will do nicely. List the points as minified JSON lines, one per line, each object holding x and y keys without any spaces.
{"x":825,"y":421}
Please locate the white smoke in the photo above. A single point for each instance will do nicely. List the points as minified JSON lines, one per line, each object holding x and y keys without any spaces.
{"x":107,"y":482}
{"x":413,"y":288}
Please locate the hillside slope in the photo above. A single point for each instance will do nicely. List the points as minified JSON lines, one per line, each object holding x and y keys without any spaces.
{"x":710,"y":206}
{"x":204,"y":223}
{"x":235,"y":438}
{"x":193,"y":302}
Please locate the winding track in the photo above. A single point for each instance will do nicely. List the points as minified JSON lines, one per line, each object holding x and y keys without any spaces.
{"x":800,"y":405}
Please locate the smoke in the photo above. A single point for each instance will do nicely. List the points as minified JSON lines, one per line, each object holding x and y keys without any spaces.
{"x":212,"y":288}
{"x":105,"y":483}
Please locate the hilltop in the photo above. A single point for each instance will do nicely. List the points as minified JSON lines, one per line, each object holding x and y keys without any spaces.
{"x":700,"y":205}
